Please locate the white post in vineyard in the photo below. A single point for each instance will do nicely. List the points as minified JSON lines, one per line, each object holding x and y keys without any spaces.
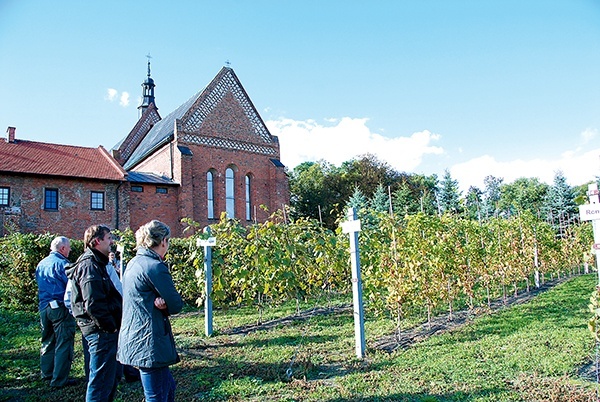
{"x":352,"y":227}
{"x":591,"y":212}
{"x":208,"y":314}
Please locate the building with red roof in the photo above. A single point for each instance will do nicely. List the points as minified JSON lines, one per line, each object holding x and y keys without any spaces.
{"x":211,"y":155}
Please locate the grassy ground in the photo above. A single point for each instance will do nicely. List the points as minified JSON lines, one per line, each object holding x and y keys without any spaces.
{"x":529,"y":352}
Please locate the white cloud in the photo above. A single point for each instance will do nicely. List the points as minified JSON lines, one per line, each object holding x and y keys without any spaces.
{"x":578,"y":168}
{"x":589,"y":134}
{"x":124,"y":100}
{"x":111,"y":94}
{"x":339,"y":140}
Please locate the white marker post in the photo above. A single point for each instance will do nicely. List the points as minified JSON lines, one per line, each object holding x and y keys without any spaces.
{"x":591,"y":212}
{"x":121,"y":250}
{"x":208,"y":315}
{"x":352,"y":227}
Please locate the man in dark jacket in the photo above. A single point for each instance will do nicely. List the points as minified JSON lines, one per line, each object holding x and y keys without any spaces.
{"x":97,"y":307}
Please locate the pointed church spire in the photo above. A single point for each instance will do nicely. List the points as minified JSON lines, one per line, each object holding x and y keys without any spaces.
{"x":148,"y":90}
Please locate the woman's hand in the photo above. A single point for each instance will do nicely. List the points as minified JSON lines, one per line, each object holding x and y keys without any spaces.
{"x":160,"y":303}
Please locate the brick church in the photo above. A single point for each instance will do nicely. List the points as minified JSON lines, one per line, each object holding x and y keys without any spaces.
{"x":212,"y":155}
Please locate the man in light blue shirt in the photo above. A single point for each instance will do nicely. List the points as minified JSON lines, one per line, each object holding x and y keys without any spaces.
{"x":58,"y":326}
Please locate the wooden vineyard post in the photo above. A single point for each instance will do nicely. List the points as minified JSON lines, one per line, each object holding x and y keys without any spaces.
{"x":352,"y":227}
{"x":208,"y":314}
{"x":591,"y":212}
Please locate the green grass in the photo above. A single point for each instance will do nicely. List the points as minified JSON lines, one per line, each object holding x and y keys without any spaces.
{"x":529,"y":352}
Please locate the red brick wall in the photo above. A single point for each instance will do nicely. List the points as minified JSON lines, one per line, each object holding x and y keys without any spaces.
{"x":149,"y":205}
{"x":266,"y":183}
{"x":159,"y":163}
{"x":26,"y":210}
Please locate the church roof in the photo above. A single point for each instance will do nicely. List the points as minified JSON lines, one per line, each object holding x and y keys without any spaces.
{"x":148,"y":178}
{"x":190,"y":116}
{"x":160,"y":133}
{"x":30,"y":157}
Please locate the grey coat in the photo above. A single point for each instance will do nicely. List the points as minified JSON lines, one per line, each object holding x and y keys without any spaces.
{"x":146,"y":339}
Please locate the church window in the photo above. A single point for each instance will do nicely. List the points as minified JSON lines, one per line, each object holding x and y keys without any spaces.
{"x":229,"y":193}
{"x":248,"y":200}
{"x":210,"y":194}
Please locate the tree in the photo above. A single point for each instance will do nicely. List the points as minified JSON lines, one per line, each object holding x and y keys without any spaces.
{"x":491,"y":196}
{"x":524,"y":194}
{"x":416,"y":193}
{"x":367,"y":173}
{"x":380,"y":200}
{"x":559,"y":204}
{"x":358,"y":200}
{"x":449,"y":194}
{"x":403,"y":200}
{"x":473,"y":203}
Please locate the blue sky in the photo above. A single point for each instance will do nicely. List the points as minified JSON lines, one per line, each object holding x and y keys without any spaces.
{"x":509,"y":88}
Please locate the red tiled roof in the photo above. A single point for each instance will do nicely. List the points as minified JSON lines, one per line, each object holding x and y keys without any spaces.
{"x":58,"y":160}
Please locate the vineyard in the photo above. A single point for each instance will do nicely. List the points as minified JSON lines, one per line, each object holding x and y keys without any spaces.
{"x":419,"y":264}
{"x":415,"y":266}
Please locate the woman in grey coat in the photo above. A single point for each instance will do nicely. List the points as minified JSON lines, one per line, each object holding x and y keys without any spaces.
{"x":149,"y":297}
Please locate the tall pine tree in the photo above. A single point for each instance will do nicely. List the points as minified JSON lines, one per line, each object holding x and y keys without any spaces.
{"x":559,"y":204}
{"x":380,"y":200}
{"x":449,"y":194}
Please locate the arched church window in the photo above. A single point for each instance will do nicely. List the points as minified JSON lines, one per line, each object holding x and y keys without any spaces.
{"x":210,"y":195}
{"x":248,"y":199}
{"x":229,"y":193}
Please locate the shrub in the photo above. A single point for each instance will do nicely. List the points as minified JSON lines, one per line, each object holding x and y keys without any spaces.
{"x":19,"y":256}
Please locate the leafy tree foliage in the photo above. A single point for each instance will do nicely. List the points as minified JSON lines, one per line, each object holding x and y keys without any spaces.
{"x":491,"y":196}
{"x":317,"y":192}
{"x":367,"y":172}
{"x":473,"y":203}
{"x":524,"y":194}
{"x":416,"y":193}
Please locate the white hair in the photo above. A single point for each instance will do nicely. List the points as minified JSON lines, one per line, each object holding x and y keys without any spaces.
{"x":58,"y":242}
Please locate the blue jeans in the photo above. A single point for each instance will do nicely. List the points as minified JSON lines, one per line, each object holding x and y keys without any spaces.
{"x":102,"y":382}
{"x":158,"y":383}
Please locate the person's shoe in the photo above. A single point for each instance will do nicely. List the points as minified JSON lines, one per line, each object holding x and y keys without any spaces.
{"x":70,"y":382}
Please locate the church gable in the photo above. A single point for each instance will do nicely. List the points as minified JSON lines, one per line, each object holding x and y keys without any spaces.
{"x":224,"y":117}
{"x":126,"y":148}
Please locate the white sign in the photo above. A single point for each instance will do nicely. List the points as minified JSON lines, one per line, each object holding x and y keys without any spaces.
{"x":351,"y":226}
{"x":589,"y":212}
{"x":210,"y":242}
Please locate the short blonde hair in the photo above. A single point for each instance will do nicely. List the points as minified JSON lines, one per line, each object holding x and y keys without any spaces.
{"x":151,"y":234}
